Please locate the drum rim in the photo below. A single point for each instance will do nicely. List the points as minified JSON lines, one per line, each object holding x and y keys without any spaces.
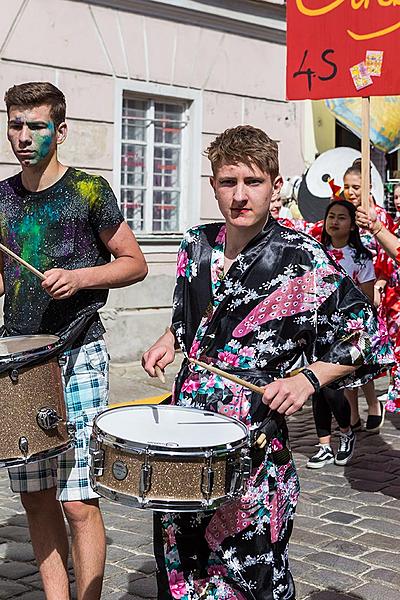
{"x":161,"y":505}
{"x":23,"y":353}
{"x":38,"y":456}
{"x":160,"y":450}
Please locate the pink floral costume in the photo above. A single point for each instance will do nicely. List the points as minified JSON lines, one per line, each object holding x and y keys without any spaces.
{"x":282,"y":302}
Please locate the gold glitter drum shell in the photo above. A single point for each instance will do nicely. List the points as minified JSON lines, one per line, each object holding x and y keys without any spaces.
{"x":32,"y":410}
{"x":168,"y":458}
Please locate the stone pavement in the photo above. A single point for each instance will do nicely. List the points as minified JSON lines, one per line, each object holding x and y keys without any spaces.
{"x":346,"y":540}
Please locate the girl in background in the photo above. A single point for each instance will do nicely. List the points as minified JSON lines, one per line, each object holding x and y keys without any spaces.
{"x":352,"y":193}
{"x":281,"y":213}
{"x":341,"y":238}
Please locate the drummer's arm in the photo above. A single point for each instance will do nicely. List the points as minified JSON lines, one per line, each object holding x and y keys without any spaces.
{"x":288,"y":395}
{"x":369,"y":220}
{"x":128,"y":267}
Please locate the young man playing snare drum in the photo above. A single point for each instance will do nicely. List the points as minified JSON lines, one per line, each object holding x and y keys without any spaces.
{"x":67,"y":224}
{"x":256,"y":299}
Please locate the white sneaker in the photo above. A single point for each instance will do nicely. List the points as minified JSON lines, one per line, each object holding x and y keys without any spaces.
{"x":323,"y":457}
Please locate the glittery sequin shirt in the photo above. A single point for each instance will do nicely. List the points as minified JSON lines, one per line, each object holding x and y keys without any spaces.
{"x":56,"y":227}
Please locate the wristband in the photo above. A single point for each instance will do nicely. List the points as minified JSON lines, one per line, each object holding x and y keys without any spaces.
{"x":379,"y":230}
{"x":312,"y":378}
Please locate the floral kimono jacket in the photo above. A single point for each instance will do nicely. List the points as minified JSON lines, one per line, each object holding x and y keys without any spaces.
{"x":282,"y":304}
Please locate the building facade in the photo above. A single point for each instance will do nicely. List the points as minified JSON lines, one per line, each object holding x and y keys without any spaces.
{"x":148,"y":85}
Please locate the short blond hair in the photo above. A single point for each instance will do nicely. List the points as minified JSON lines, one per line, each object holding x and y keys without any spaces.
{"x":244,"y":144}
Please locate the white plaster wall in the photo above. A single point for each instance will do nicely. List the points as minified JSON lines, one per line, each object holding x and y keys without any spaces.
{"x":83,"y":49}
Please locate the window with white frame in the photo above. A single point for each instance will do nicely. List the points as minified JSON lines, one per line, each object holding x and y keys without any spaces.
{"x":153,"y":137}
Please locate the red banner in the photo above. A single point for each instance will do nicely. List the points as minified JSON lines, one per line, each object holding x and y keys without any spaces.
{"x":342,"y":48}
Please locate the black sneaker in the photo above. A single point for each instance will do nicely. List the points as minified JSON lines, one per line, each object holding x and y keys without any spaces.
{"x":346,"y":448}
{"x":323,"y":457}
{"x":357,"y":425}
{"x":375,"y":422}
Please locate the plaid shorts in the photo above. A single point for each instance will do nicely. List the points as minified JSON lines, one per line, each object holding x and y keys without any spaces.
{"x":86,"y":383}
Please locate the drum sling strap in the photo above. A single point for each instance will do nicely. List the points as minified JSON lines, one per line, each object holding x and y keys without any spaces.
{"x":40,"y":355}
{"x":270,"y":427}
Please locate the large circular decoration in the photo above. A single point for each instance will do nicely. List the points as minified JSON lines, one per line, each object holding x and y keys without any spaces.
{"x":315,"y":193}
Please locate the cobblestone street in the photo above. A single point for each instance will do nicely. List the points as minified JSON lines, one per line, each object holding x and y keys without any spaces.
{"x":346,"y":539}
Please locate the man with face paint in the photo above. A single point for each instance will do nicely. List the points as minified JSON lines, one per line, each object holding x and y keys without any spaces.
{"x":67,"y":224}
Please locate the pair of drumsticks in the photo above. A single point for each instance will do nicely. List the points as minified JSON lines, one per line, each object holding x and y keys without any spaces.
{"x":159,"y":372}
{"x":261,"y":440}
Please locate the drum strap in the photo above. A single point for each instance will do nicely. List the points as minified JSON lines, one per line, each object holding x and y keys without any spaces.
{"x":270,"y":427}
{"x":27,"y":360}
{"x":279,"y":457}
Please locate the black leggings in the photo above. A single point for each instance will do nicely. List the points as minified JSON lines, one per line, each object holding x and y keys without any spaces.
{"x":326,"y":403}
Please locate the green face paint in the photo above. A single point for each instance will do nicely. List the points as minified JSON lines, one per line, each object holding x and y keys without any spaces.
{"x":31,"y":140}
{"x":43,"y":140}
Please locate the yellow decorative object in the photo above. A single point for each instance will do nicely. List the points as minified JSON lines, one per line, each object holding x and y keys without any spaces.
{"x":150,"y":400}
{"x":385,"y":119}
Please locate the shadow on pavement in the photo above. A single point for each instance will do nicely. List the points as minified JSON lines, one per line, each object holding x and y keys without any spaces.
{"x":19,"y":573}
{"x":375,"y":465}
{"x":394,"y":419}
{"x":333,"y":595}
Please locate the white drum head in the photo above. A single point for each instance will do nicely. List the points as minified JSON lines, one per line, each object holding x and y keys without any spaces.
{"x":170,"y":426}
{"x":25,"y":343}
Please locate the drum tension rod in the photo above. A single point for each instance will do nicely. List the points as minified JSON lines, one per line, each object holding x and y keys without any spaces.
{"x":14,"y":375}
{"x":246,"y":464}
{"x":241,"y":473}
{"x":145,"y":476}
{"x":96,"y":458}
{"x":207,"y":475}
{"x":24,"y":446}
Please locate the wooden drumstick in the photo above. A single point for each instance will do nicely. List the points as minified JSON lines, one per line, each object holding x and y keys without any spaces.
{"x":238,"y":380}
{"x":160,"y":373}
{"x":22,"y":262}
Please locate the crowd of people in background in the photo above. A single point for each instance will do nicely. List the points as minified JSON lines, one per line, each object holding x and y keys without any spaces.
{"x":359,"y":252}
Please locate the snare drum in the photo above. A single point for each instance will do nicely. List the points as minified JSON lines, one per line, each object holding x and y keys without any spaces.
{"x":32,"y":411}
{"x":168,"y":458}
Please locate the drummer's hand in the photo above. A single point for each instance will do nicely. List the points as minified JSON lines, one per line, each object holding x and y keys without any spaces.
{"x":160,"y":354}
{"x":288,"y":395}
{"x":61,"y":284}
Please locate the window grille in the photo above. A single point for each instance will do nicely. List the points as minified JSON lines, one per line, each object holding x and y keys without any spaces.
{"x":153,"y":135}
